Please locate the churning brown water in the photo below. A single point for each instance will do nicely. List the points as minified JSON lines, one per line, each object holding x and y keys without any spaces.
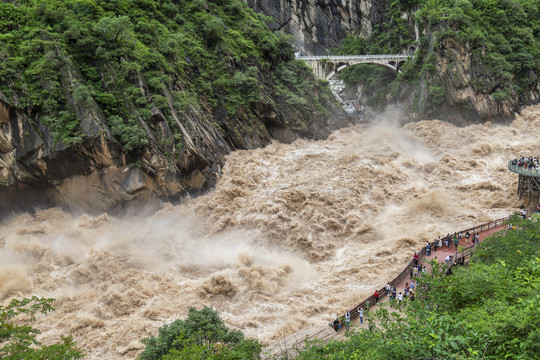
{"x":292,"y":234}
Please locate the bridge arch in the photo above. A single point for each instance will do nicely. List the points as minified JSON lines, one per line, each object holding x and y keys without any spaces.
{"x":325,"y":67}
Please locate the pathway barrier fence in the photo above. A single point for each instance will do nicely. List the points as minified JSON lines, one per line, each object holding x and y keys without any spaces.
{"x":467,"y":251}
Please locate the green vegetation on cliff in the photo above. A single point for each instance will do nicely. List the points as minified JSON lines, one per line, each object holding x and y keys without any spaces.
{"x":129,"y":64}
{"x":495,"y":42}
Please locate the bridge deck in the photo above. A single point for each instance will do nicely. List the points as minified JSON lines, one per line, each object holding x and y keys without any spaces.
{"x":353,"y":57}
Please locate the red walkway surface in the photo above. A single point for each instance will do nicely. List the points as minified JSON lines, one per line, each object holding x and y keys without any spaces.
{"x":440,"y":254}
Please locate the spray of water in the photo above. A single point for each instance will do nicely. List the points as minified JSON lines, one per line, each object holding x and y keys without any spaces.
{"x":291,"y":235}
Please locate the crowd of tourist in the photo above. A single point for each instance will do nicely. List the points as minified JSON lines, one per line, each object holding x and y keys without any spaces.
{"x":416,"y":270}
{"x":395,"y":298}
{"x":455,"y":239}
{"x":528,"y":163}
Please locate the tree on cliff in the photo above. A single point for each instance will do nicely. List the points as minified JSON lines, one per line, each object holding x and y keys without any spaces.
{"x":18,"y":339}
{"x":202,"y":335}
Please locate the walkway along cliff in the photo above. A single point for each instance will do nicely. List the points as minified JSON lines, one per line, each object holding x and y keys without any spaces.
{"x":291,"y":344}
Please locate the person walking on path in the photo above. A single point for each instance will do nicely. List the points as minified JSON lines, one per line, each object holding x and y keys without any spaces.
{"x":456,"y":241}
{"x":388,"y":289}
{"x":415,"y":257}
{"x":440,"y":242}
{"x":435,"y":244}
{"x":347,"y":320}
{"x":361,"y":315}
{"x":336,"y":323}
{"x":376,"y":295}
{"x":428,"y":249}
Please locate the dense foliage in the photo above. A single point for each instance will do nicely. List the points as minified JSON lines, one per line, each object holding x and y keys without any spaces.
{"x":128,"y":60}
{"x":487,"y":310}
{"x":18,"y":340}
{"x":202,"y":335}
{"x":501,"y":36}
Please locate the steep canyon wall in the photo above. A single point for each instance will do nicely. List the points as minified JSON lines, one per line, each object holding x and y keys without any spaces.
{"x":318,"y":26}
{"x":454,"y":76}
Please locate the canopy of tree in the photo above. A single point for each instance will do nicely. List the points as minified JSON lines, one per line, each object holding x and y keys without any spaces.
{"x":18,"y":338}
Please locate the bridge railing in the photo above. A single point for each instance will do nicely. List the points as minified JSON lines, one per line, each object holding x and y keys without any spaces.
{"x":344,"y":57}
{"x":521,"y":170}
{"x":421,"y":254}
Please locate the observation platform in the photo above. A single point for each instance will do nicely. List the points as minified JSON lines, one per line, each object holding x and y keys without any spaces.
{"x":528,"y":181}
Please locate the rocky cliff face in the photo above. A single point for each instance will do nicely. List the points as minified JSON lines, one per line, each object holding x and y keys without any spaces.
{"x":318,"y":26}
{"x":449,"y":79}
{"x":457,"y":71}
{"x":97,"y":175}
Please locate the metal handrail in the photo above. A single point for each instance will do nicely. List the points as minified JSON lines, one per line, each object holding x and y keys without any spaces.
{"x":421,"y":253}
{"x":342,"y":57}
{"x":521,"y":170}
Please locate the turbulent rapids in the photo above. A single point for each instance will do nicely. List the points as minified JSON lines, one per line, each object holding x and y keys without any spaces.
{"x":291,"y":235}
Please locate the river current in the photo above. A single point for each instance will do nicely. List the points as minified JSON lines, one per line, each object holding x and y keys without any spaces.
{"x":292,"y":234}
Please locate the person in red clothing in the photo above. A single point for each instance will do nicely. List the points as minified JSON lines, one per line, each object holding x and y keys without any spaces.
{"x":376,"y":295}
{"x":416,"y":258}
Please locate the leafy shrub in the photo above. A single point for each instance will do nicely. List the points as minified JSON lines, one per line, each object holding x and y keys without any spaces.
{"x":18,"y":341}
{"x":202,"y":335}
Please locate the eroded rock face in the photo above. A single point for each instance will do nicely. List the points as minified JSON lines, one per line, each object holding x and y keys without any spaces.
{"x":318,"y":26}
{"x":97,"y":175}
{"x":464,"y":101}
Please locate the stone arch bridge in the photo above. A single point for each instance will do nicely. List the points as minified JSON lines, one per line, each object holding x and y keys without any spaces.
{"x":327,"y":66}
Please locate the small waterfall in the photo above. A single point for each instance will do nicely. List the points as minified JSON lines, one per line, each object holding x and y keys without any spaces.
{"x":354,"y":106}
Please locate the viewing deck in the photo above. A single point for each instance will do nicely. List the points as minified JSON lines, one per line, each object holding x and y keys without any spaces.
{"x":528,"y":182}
{"x":522,"y":170}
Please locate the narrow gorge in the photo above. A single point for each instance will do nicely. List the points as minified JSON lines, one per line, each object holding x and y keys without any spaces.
{"x":162,"y":155}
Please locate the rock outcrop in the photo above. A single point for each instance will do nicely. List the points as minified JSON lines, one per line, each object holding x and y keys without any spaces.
{"x":457,"y":70}
{"x":97,"y":175}
{"x":318,"y":26}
